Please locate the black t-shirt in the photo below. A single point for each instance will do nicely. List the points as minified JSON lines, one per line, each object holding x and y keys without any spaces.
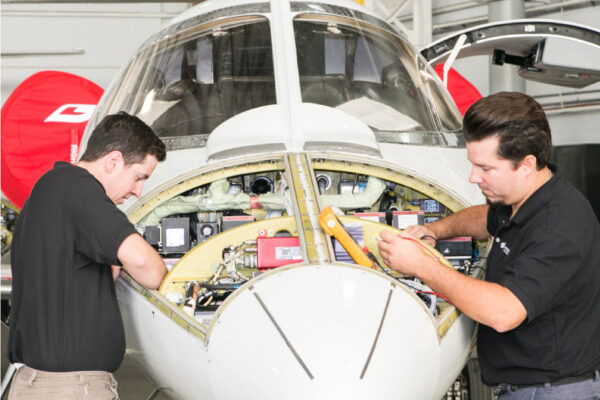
{"x":64,"y":311}
{"x":548,"y":256}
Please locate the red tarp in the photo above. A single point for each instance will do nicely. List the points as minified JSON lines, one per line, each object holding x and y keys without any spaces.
{"x":461,"y":90}
{"x":42,"y":122}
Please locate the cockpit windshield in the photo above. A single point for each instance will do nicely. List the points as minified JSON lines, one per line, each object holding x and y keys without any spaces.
{"x":184,"y":86}
{"x":192,"y":77}
{"x":370,"y":74}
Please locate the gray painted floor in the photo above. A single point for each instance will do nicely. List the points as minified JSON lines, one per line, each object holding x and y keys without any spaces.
{"x":133,"y":385}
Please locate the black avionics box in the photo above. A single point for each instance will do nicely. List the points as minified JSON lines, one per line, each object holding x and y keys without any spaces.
{"x":457,"y":250}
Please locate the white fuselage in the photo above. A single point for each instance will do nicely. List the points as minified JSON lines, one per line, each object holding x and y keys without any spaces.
{"x":320,"y":328}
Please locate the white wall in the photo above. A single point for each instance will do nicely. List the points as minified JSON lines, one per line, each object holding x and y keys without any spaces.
{"x":108,"y":34}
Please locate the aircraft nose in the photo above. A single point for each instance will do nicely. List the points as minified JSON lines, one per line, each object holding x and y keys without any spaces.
{"x":323,"y":332}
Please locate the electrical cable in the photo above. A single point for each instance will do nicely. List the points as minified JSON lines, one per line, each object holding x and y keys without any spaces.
{"x":435,"y":294}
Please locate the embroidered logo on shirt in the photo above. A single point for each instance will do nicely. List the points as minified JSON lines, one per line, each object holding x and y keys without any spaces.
{"x":505,"y":248}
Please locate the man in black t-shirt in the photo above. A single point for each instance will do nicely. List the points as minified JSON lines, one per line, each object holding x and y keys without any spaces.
{"x":69,"y":245}
{"x":539,"y":305}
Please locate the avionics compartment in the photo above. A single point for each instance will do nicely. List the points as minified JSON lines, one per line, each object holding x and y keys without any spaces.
{"x":233,"y":216}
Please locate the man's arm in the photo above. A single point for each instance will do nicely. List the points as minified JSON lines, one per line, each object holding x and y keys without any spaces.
{"x":141,"y":261}
{"x":470,"y":221}
{"x":488,"y":303}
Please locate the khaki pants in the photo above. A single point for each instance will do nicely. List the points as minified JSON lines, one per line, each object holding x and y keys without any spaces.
{"x":29,"y":383}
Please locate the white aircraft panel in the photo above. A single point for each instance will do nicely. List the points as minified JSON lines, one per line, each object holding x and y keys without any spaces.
{"x":330,"y":316}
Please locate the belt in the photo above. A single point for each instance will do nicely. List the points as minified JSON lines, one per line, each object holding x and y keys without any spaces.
{"x":502,"y":388}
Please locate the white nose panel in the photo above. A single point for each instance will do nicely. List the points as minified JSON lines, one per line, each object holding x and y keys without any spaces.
{"x":316,"y":332}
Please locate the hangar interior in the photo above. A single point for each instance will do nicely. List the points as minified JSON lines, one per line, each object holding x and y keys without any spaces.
{"x":81,"y":38}
{"x":96,"y":39}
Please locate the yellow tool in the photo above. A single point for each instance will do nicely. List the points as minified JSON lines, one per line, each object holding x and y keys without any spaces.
{"x":332,"y":226}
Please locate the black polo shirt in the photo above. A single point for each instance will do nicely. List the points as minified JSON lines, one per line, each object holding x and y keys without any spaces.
{"x":548,"y":255}
{"x":64,"y":312}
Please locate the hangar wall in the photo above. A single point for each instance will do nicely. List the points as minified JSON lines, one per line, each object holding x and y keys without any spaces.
{"x":90,"y":40}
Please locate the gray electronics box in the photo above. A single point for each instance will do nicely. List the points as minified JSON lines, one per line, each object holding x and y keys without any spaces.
{"x":404,"y":219}
{"x":152,"y":235}
{"x":372,"y":216}
{"x":175,"y":235}
{"x":236,"y":220}
{"x":206,"y":230}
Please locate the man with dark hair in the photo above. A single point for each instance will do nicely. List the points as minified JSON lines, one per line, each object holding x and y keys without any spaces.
{"x":65,"y":323}
{"x":127,"y":134}
{"x":538,"y":307}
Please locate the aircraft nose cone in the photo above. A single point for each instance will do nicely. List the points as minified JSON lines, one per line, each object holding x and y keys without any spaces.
{"x":323,"y":332}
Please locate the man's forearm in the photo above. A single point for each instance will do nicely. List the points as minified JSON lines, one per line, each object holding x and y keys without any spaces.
{"x":470,"y":221}
{"x":141,"y":261}
{"x":485,"y":302}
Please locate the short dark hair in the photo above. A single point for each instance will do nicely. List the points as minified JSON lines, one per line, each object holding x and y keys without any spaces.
{"x":127,"y":134}
{"x":519,"y":122}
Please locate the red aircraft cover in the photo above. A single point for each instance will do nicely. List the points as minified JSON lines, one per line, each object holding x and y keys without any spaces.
{"x":461,"y":90}
{"x":42,"y":122}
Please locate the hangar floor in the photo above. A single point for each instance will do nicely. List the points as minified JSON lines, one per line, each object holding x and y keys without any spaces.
{"x":133,"y":385}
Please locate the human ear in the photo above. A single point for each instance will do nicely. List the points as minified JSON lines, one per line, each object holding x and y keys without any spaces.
{"x":528,"y":164}
{"x":113,"y":160}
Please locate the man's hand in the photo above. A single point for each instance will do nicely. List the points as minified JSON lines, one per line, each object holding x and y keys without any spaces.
{"x":423,"y":233}
{"x":488,"y":303}
{"x":400,"y":253}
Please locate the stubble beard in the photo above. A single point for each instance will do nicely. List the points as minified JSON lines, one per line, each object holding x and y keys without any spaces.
{"x":498,"y":203}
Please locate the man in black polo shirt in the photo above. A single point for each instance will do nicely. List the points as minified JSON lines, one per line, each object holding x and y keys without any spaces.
{"x":539,"y":306}
{"x":65,"y":323}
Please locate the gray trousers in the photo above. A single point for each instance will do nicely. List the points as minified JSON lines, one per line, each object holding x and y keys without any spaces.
{"x":585,"y":390}
{"x":29,"y":383}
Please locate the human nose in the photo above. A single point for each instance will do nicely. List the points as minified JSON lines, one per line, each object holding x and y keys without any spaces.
{"x":137,"y":189}
{"x":474,"y":177}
